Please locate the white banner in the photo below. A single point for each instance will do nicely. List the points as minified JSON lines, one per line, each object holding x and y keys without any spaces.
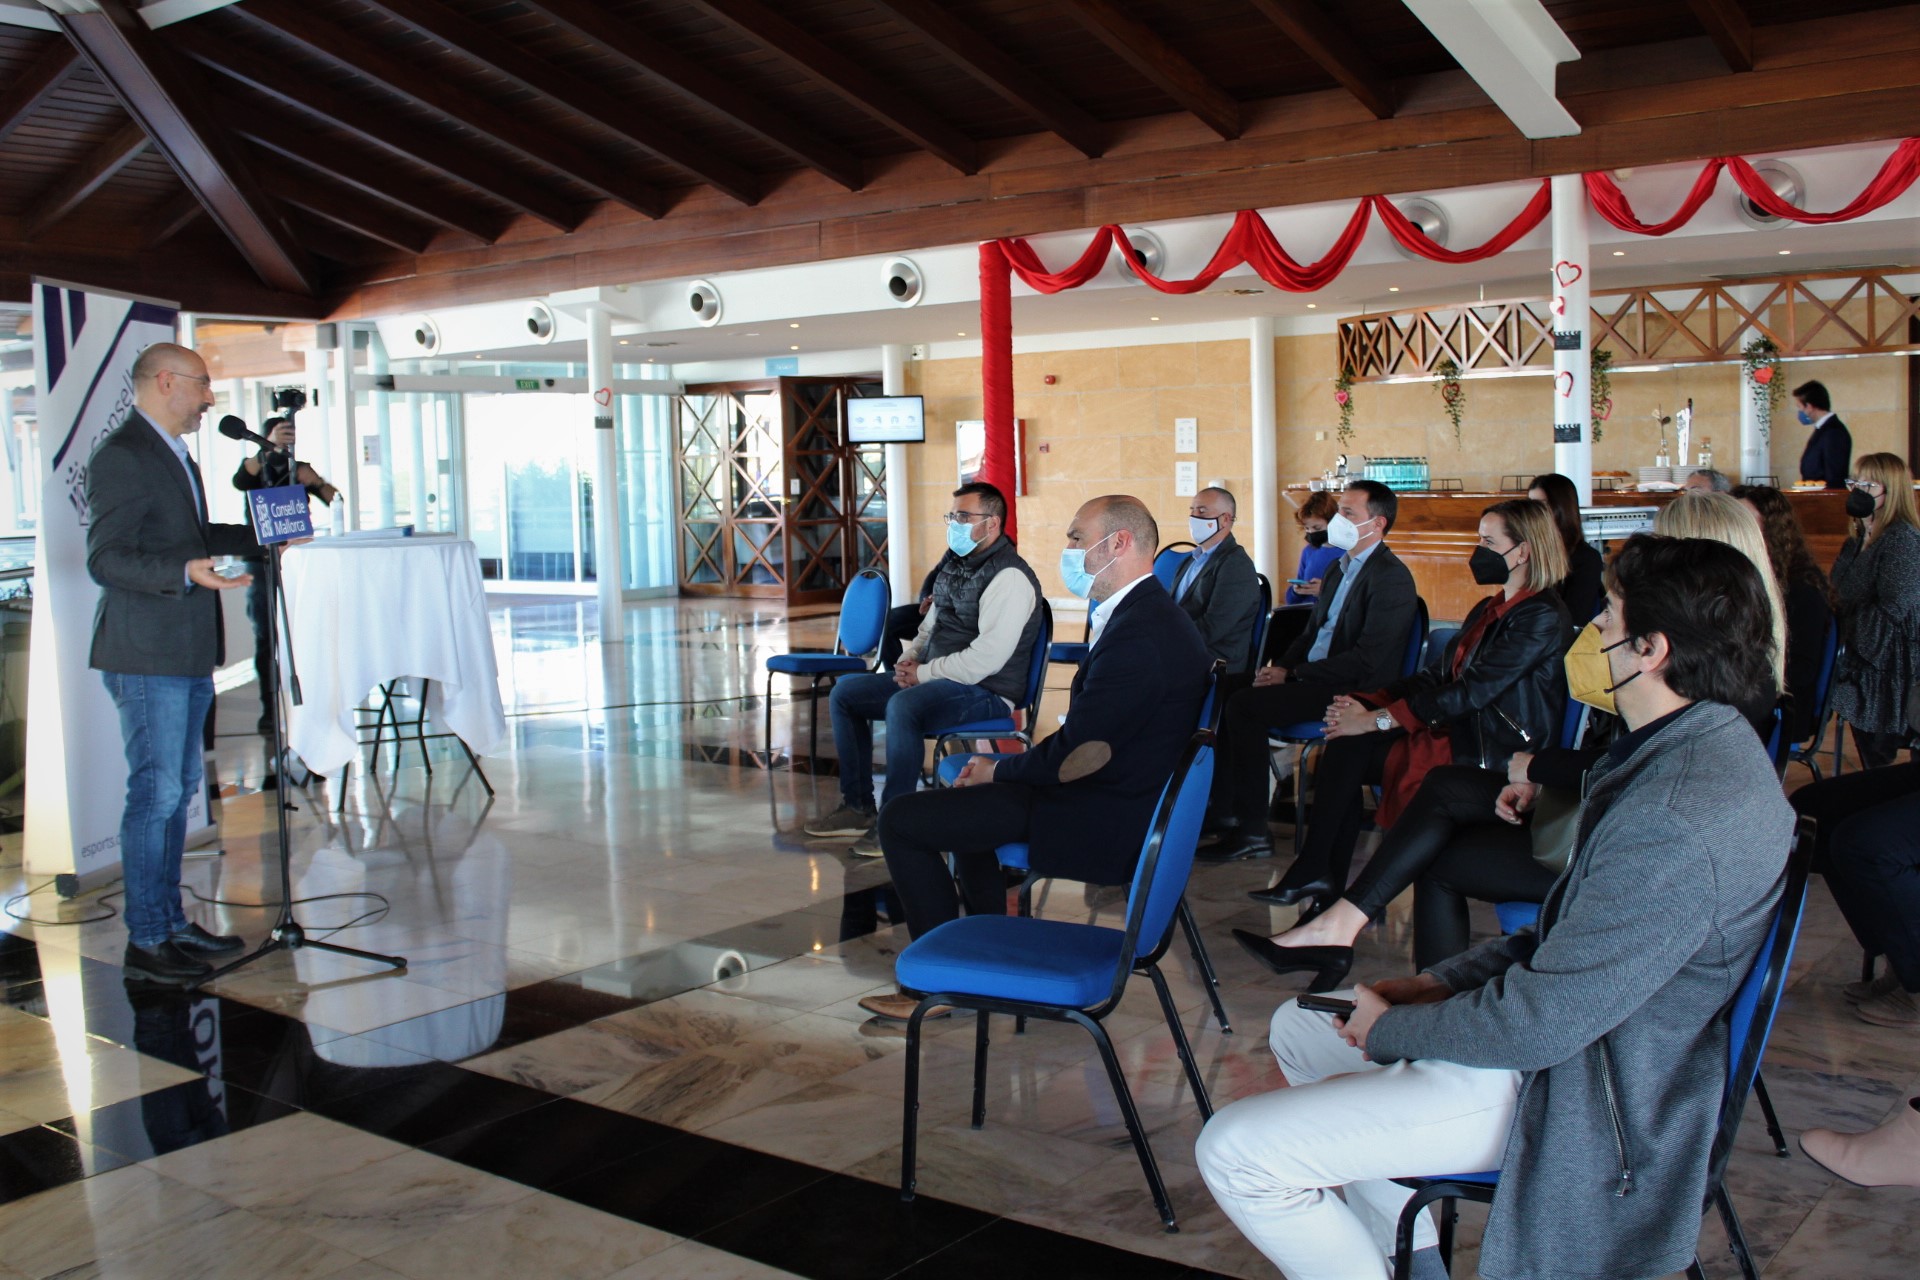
{"x":84,"y":346}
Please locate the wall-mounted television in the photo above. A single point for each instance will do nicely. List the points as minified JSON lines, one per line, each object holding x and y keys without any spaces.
{"x":886,"y":420}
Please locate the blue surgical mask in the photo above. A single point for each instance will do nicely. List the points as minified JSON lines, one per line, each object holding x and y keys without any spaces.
{"x":960,"y":539}
{"x":1806,"y":419}
{"x":1073,"y":569}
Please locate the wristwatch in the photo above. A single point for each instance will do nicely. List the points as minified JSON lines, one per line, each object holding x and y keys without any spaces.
{"x":1383,"y":721}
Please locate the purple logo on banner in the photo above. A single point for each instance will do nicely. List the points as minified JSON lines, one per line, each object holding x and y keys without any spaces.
{"x":280,"y":515}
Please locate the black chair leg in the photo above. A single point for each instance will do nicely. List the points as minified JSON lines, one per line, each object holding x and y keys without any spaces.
{"x":1132,"y":1116}
{"x":910,"y":1121}
{"x":813,"y":725}
{"x":1773,"y":1121}
{"x":1403,"y":1230}
{"x":1695,"y":1271}
{"x":1025,"y":909}
{"x":1205,"y":961}
{"x":1736,"y":1234}
{"x":1180,"y":1044}
{"x":980,"y":1068}
{"x":766,"y":722}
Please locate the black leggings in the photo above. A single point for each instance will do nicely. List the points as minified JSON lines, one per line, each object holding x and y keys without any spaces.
{"x":1333,"y":824}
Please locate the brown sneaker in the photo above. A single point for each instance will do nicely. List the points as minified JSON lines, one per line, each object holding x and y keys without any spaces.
{"x":899,"y":1006}
{"x":1855,"y":992}
{"x":1895,"y":1008}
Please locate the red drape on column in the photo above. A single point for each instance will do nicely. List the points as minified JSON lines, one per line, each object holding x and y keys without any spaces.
{"x":996,"y":374}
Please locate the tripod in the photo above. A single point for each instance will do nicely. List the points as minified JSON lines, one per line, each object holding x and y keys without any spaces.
{"x":287,"y":934}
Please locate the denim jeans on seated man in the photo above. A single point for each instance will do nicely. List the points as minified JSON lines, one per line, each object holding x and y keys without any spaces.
{"x":910,"y":714}
{"x":160,"y":724}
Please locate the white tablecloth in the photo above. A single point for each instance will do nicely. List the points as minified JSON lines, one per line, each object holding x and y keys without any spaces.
{"x":365,"y":611}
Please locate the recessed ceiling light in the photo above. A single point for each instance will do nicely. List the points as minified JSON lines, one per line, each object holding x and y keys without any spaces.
{"x":1312,"y":306}
{"x":1153,"y":317}
{"x":1785,"y":252}
{"x":649,"y":359}
{"x":1619,"y":253}
{"x":1393,"y":288}
{"x":961,"y":334}
{"x":793,"y":348}
{"x":626,"y":341}
{"x":793,"y":324}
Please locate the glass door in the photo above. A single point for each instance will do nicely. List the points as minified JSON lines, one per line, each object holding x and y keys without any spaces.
{"x":532,"y":499}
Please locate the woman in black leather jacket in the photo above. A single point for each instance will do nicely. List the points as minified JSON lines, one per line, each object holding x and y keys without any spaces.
{"x":1499,"y":688}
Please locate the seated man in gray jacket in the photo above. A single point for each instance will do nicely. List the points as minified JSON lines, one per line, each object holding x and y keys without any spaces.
{"x":1586,"y":1060}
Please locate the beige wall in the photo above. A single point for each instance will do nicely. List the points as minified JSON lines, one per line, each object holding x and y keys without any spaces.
{"x":1107,"y":426}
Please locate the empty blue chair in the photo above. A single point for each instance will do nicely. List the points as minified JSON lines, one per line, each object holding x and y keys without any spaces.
{"x":1067,"y":972}
{"x":1808,"y":753}
{"x":1017,"y":723}
{"x":1170,"y":560}
{"x":1437,"y":641}
{"x":863,"y":617}
{"x":1750,"y":1021}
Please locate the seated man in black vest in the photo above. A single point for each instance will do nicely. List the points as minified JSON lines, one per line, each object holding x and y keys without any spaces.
{"x":1081,"y":800}
{"x":1356,"y":638}
{"x":968,"y":662}
{"x":1217,"y":586}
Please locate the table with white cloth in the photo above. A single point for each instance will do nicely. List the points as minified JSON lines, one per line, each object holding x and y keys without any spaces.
{"x":365,"y":611}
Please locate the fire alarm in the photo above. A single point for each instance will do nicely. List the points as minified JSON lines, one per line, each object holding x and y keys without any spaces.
{"x":1049,"y":379}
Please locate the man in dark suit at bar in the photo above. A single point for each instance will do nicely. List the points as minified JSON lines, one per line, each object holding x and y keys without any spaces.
{"x":156,"y":641}
{"x":1829,"y":450}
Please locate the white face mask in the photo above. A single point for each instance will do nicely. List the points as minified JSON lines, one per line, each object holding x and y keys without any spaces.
{"x":1200,"y":530}
{"x":1342,"y":532}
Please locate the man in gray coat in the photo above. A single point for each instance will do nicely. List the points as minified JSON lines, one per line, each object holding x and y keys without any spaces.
{"x":156,"y":641}
{"x":1586,"y":1061}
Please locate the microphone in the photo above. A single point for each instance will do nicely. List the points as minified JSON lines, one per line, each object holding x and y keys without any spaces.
{"x":234,"y":429}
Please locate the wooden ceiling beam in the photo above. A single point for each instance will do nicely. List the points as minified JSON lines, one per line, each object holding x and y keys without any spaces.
{"x":848,"y":80}
{"x":1141,"y":48}
{"x":83,"y":178}
{"x":398,"y":74}
{"x":374,"y":219}
{"x":36,"y":84}
{"x":1337,"y":53}
{"x":170,"y":217}
{"x":1726,"y":23}
{"x":172,"y":109}
{"x":626,"y":119}
{"x":1027,"y":90}
{"x":590,"y":20}
{"x":372,"y":124}
{"x":338,"y":243}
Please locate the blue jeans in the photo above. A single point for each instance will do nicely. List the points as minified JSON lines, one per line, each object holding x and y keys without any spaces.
{"x":161,"y":718}
{"x":858,"y":701}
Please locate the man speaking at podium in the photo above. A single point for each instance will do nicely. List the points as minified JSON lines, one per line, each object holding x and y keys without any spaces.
{"x":156,"y":641}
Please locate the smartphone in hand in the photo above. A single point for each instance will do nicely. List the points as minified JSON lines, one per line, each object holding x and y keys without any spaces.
{"x":1327,"y":1004}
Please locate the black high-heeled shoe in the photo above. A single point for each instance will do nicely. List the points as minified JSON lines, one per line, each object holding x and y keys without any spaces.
{"x":1330,"y":965}
{"x":1321,"y":890}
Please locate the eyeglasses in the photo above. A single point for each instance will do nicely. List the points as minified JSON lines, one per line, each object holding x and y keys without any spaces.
{"x":190,"y":377}
{"x":967,"y":517}
{"x":1867,"y":486}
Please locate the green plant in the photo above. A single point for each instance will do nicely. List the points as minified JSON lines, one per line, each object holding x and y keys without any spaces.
{"x":1600,"y":388}
{"x":1453,"y":397}
{"x":1760,"y":362}
{"x":1343,"y":396}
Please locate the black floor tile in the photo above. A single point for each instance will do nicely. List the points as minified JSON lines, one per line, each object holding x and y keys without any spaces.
{"x":170,"y":1119}
{"x":37,"y":1159}
{"x":1010,"y":1250}
{"x":554,"y":1142}
{"x":521,"y":1020}
{"x":842,"y":1228}
{"x":431,"y":1101}
{"x":690,"y":1185}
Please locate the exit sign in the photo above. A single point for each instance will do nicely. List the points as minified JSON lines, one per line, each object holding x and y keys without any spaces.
{"x":526,"y":384}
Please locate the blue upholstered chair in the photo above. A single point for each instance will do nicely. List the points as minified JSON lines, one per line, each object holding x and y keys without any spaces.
{"x":863,"y":617}
{"x":1017,"y":723}
{"x":1808,"y":753}
{"x":1067,"y":972}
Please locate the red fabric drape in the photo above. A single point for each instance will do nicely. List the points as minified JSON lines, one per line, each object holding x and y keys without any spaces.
{"x":1900,"y":171}
{"x":996,"y":375}
{"x":1610,"y":202}
{"x":1414,"y":240}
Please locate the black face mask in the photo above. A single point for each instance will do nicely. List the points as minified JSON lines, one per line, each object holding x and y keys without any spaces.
{"x":1316,"y":537}
{"x":1489,"y":567}
{"x":1859,"y":504}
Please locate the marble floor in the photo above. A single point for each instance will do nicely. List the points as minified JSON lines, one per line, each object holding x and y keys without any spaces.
{"x":627,"y":1040}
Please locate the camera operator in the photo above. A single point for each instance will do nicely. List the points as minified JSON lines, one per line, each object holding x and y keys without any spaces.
{"x":264,"y":470}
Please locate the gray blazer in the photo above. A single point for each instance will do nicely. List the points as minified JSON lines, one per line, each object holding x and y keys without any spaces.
{"x":1676,"y":870}
{"x":143,"y":525}
{"x":1223,"y":602}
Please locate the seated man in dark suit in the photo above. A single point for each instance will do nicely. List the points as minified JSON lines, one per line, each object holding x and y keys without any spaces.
{"x":1081,"y":799}
{"x":1356,"y":635}
{"x":1217,"y":586}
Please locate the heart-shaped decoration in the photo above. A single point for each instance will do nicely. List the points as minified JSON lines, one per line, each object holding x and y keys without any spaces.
{"x":603,"y":397}
{"x":1763,"y":375}
{"x":1606,"y":409}
{"x":1449,"y":392}
{"x":1341,"y":397}
{"x":1567,"y":272}
{"x":1559,"y":305}
{"x":1564,"y":380}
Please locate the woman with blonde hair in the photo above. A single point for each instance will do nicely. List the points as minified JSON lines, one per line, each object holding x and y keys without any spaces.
{"x":1877,"y":580}
{"x":1721,"y":517}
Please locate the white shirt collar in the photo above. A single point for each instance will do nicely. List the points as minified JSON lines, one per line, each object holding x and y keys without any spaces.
{"x":1107,"y":607}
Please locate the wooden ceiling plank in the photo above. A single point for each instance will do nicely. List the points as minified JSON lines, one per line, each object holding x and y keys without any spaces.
{"x":1141,"y":48}
{"x":1337,"y":53}
{"x":82,"y":179}
{"x":379,"y":127}
{"x":847,"y":79}
{"x":578,"y":95}
{"x":35,"y":84}
{"x":334,"y":240}
{"x":1726,"y":23}
{"x":178,"y":119}
{"x":979,"y":57}
{"x":533,"y":141}
{"x":322,"y":198}
{"x":590,"y":20}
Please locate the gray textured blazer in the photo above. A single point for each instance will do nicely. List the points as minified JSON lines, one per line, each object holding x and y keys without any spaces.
{"x":1224,"y":602}
{"x":1642,"y":944}
{"x":143,"y":525}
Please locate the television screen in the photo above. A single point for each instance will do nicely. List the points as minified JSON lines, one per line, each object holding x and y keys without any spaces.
{"x":886,"y":420}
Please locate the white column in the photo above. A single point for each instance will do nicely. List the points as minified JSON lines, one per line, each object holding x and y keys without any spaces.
{"x":1266,"y":482}
{"x":608,"y":573}
{"x":893,"y":382}
{"x":381,"y":402}
{"x":1570,"y":282}
{"x":346,"y":444}
{"x":1755,"y":455}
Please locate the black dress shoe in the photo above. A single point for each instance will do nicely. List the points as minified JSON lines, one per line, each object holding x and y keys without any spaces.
{"x":1330,"y":965}
{"x":196,"y":941}
{"x":1236,"y":845}
{"x":166,"y":964}
{"x":1286,"y":895}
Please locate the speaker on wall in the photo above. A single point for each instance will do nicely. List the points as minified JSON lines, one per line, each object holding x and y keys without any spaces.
{"x":703,"y":297}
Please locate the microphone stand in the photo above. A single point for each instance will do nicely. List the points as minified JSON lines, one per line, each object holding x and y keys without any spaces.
{"x":287,"y":933}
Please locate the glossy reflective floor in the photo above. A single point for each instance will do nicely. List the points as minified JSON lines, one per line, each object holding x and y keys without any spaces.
{"x":627,"y":1041}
